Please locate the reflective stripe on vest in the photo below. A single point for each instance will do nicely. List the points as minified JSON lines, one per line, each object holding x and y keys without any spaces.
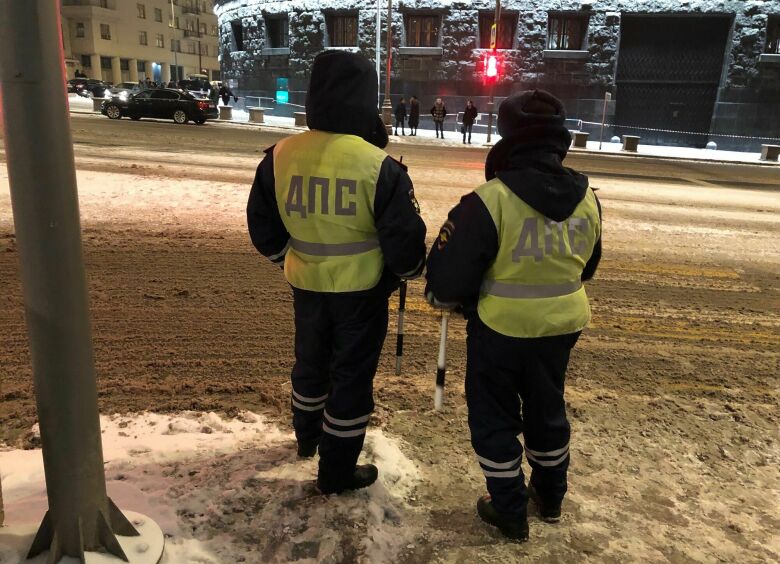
{"x":533,"y":287}
{"x":325,"y":185}
{"x":503,"y":290}
{"x":334,"y":249}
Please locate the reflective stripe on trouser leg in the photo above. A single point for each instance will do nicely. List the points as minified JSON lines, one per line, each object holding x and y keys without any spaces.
{"x":548,"y":459}
{"x":345,"y":428}
{"x":492,"y":469}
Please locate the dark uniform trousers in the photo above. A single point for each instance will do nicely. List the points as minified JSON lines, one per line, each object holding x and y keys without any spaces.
{"x":515,"y":386}
{"x":338,"y":340}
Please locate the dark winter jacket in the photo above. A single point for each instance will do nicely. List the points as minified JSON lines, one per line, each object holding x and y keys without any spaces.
{"x":400,"y":111}
{"x":439,"y":112}
{"x":532,"y":168}
{"x":414,"y":113}
{"x":400,"y":228}
{"x":469,"y":115}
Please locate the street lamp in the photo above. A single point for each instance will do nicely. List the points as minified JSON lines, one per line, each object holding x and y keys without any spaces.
{"x":387,"y":106}
{"x":173,"y":45}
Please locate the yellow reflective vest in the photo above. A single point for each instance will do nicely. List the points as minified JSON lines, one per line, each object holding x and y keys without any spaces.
{"x":533,"y":288}
{"x":325,"y":185}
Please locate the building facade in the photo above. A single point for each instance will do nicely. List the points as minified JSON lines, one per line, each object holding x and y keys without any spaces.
{"x":128,"y":40}
{"x":697,"y":69}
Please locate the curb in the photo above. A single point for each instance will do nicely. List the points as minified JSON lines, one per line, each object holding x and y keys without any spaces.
{"x":483,"y":147}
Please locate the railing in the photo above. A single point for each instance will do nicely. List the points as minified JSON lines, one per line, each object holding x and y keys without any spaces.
{"x":191,"y":33}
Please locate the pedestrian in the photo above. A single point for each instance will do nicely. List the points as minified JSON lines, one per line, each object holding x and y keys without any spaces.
{"x":172,"y":84}
{"x":414,"y":115}
{"x":148,"y":82}
{"x":439,"y":112}
{"x":513,"y":255}
{"x":339,"y":216}
{"x":400,"y":116}
{"x":225,"y":93}
{"x":469,"y":116}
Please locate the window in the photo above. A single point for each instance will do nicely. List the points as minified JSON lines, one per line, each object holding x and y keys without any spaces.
{"x":422,"y":31}
{"x":86,"y":61}
{"x":103,"y":3}
{"x":214,"y":30}
{"x":202,"y":29}
{"x":191,"y":48}
{"x":141,"y":9}
{"x":105,"y":63}
{"x":238,"y":35}
{"x":190,"y":25}
{"x":164,"y":95}
{"x":506,"y":31}
{"x":773,"y":35}
{"x":105,"y":31}
{"x":142,"y":40}
{"x":160,"y":40}
{"x":79,"y":29}
{"x":158,"y":15}
{"x":176,"y":45}
{"x":204,"y":49}
{"x":567,"y":32}
{"x":277,"y":30}
{"x":140,"y":66}
{"x":343,"y":31}
{"x":124,"y":64}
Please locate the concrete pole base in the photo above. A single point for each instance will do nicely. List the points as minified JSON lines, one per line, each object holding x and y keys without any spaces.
{"x":146,"y":548}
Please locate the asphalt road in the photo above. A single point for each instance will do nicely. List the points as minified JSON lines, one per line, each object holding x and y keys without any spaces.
{"x":90,"y":132}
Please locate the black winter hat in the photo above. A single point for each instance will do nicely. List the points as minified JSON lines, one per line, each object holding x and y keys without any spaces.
{"x":528,"y":109}
{"x":342,"y":97}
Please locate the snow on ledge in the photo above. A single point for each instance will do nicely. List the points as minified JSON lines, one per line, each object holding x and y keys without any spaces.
{"x":233,"y":490}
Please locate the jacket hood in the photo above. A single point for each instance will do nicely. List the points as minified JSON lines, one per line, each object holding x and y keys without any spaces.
{"x":531,"y":166}
{"x":342,"y":97}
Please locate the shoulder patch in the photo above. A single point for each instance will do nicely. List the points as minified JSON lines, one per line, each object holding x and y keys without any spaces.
{"x":445,"y":234}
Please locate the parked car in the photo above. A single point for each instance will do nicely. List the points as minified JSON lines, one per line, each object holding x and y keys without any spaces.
{"x":88,"y":86}
{"x":164,"y":103}
{"x":196,"y":86}
{"x":125,"y":89}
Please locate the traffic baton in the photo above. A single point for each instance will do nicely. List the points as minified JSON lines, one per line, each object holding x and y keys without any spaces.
{"x":441,"y":368}
{"x":399,"y":338}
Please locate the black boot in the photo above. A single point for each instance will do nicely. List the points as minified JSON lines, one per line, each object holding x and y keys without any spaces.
{"x":307,"y":449}
{"x":550,"y":512}
{"x":511,"y":526}
{"x":363,"y":477}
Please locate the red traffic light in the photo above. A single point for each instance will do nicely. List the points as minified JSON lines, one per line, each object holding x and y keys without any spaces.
{"x":491,"y":66}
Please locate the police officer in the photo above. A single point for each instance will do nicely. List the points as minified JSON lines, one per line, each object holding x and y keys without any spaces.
{"x":339,"y":215}
{"x":513,"y":254}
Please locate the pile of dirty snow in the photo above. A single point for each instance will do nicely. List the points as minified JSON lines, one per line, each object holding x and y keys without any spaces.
{"x":232,"y":490}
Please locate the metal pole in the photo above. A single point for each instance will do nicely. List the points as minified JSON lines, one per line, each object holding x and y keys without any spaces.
{"x":200,"y":50}
{"x":81,"y":517}
{"x":378,"y":52}
{"x":607,"y":98}
{"x":492,"y":102}
{"x":387,"y":106}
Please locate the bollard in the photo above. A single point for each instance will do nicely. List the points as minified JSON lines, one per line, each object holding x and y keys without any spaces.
{"x":631,"y":143}
{"x":615,"y":139}
{"x":97,"y":104}
{"x":712,"y":146}
{"x":770,"y":152}
{"x":300,"y":119}
{"x":226,"y":113}
{"x":581,"y":139}
{"x":256,"y":115}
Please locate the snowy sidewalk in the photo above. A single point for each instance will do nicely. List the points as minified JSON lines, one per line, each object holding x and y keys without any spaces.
{"x":479,"y":140}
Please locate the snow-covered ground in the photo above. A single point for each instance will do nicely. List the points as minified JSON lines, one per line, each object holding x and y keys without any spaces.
{"x":224,"y":488}
{"x":452,"y":137}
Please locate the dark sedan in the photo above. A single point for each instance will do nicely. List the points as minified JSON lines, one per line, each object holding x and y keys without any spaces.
{"x":87,"y":86}
{"x":162,"y":103}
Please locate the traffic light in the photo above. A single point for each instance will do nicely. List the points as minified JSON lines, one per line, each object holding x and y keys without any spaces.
{"x":491,"y":66}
